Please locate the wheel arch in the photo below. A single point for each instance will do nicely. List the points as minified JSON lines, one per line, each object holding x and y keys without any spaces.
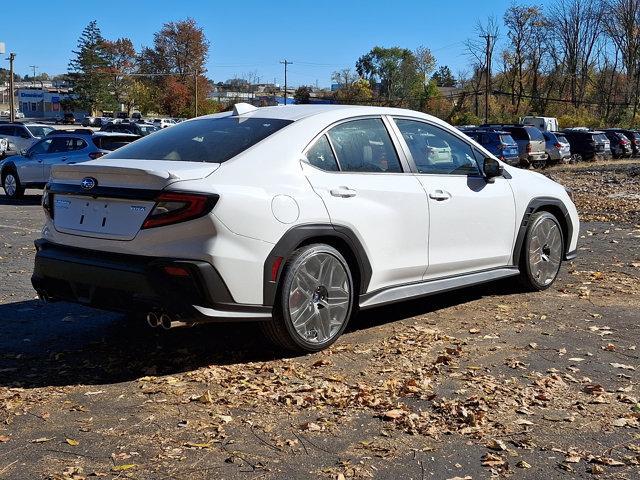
{"x":8,"y":167}
{"x":554,"y":206}
{"x":339,"y":237}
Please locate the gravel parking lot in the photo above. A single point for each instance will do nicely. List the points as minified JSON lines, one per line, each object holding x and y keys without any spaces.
{"x":481,"y":382}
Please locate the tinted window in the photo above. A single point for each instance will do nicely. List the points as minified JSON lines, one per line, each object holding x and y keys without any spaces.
{"x":112,"y":142}
{"x":457,"y":158}
{"x":61,"y":144}
{"x":7,"y":130}
{"x":320,"y":155}
{"x":561,"y":139}
{"x":508,"y":139}
{"x":213,"y":140}
{"x":534,"y":133}
{"x":41,"y":147}
{"x":364,"y":146}
{"x":38,"y":131}
{"x":518,"y":133}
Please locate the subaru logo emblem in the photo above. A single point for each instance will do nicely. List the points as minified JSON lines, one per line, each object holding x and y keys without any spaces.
{"x":88,"y":183}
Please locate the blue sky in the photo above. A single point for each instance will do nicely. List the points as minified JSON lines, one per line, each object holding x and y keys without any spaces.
{"x":318,"y":36}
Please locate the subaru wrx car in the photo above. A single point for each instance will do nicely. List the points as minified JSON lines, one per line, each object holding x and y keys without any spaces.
{"x":295,"y":217}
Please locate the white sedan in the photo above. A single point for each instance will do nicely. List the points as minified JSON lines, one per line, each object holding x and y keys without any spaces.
{"x":295,"y":217}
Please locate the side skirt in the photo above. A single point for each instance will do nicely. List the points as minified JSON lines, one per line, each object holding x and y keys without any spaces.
{"x":422,"y":289}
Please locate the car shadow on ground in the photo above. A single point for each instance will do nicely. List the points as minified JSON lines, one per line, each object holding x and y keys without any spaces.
{"x":26,"y":200}
{"x":61,"y":344}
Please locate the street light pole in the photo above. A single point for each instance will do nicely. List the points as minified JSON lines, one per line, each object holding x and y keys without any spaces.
{"x":12,"y":112}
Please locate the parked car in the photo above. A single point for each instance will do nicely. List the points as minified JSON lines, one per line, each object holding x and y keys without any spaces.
{"x":141,"y":129}
{"x":4,"y":146}
{"x":557,"y":147}
{"x":531,"y":143}
{"x":163,"y":122}
{"x":500,"y":143}
{"x":31,"y":169}
{"x":620,"y":144}
{"x":544,"y":124}
{"x":137,"y":117}
{"x":602,"y":140}
{"x":318,"y":211}
{"x":22,"y":135}
{"x":633,"y":136}
{"x":584,"y":144}
{"x":93,"y":122}
{"x":68,"y":119}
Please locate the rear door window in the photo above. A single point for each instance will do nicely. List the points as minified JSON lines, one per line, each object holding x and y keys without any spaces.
{"x":364,"y":146}
{"x":321,"y":156}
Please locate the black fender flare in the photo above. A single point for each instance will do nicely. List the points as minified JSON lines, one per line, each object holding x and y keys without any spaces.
{"x":301,"y":234}
{"x":535,"y":205}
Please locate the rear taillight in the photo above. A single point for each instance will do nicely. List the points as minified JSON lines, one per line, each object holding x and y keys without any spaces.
{"x":558,"y":145}
{"x":47,"y":203}
{"x":528,"y":148}
{"x":502,"y":146}
{"x":94,"y":155}
{"x":173,"y":208}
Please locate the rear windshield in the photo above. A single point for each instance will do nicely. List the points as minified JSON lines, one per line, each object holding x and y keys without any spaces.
{"x":212,"y":140}
{"x":561,"y":139}
{"x":38,"y":131}
{"x":507,"y":139}
{"x":112,"y":142}
{"x":535,"y":134}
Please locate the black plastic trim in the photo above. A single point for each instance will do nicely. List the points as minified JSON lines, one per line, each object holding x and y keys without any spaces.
{"x":106,"y":192}
{"x":535,"y":205}
{"x":571,"y":255}
{"x":302,"y":233}
{"x":61,"y":272}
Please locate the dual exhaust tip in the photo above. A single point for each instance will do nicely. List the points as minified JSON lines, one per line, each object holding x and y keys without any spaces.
{"x":164,"y":320}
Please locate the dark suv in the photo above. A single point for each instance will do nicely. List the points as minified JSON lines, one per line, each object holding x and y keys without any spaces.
{"x":584,"y":143}
{"x":531,"y":143}
{"x":632,"y":135}
{"x":498,"y":142}
{"x":619,"y":143}
{"x":142,"y":129}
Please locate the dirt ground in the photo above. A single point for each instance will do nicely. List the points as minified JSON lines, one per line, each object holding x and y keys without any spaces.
{"x":487,"y":381}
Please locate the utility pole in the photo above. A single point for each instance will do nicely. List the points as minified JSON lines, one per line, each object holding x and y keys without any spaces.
{"x":196,"y":93}
{"x":12,"y":109}
{"x":487,"y":85}
{"x":285,"y":63}
{"x":33,"y":79}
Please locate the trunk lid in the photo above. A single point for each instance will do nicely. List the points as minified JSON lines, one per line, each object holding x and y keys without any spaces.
{"x":121,"y":198}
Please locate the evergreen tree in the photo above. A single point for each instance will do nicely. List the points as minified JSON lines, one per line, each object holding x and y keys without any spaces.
{"x":443,"y":77}
{"x":88,"y":71}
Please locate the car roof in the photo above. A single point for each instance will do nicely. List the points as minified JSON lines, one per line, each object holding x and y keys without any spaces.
{"x":114,"y":134}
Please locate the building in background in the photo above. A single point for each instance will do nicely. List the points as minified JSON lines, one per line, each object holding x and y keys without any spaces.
{"x":43,"y":101}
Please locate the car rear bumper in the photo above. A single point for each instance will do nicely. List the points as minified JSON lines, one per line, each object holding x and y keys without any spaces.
{"x":188,"y":289}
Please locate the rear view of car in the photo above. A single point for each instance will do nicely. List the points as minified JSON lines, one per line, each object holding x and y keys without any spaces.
{"x":557,"y":147}
{"x":619,"y":144}
{"x":583,"y":144}
{"x":500,"y":143}
{"x":531,"y":143}
{"x":633,"y":137}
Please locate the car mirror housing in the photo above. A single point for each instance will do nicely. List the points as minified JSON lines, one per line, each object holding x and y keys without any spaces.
{"x":492,"y":169}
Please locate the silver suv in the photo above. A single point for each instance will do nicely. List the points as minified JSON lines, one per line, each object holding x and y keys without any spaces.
{"x":22,"y":135}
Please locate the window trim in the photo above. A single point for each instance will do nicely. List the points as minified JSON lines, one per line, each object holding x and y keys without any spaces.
{"x":404,"y":163}
{"x":405,"y":146}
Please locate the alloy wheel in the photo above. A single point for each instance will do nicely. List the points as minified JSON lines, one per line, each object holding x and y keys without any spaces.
{"x":545,"y":251}
{"x":10,"y":185}
{"x":319,"y":298}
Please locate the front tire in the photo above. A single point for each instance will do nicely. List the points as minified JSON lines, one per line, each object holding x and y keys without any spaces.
{"x":314,"y":300}
{"x":541,"y":252}
{"x":12,"y":186}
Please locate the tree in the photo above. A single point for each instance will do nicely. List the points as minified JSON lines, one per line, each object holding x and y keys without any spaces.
{"x":444,"y":77}
{"x":88,"y":70}
{"x":121,"y":59}
{"x":302,"y":94}
{"x":174,"y":97}
{"x":425,"y":62}
{"x":358,"y":91}
{"x":394,"y":70}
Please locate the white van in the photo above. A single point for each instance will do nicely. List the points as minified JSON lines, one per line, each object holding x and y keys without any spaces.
{"x":548,"y":124}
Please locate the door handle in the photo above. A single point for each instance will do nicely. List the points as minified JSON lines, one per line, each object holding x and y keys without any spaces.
{"x":440,"y":195}
{"x":343,"y":192}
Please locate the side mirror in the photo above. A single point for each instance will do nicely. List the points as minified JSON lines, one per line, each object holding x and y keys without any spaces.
{"x":25,"y":153}
{"x":492,"y":169}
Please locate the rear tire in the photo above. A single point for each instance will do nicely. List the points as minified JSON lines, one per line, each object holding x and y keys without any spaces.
{"x":12,"y":186}
{"x":314,"y":301}
{"x":542,"y":252}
